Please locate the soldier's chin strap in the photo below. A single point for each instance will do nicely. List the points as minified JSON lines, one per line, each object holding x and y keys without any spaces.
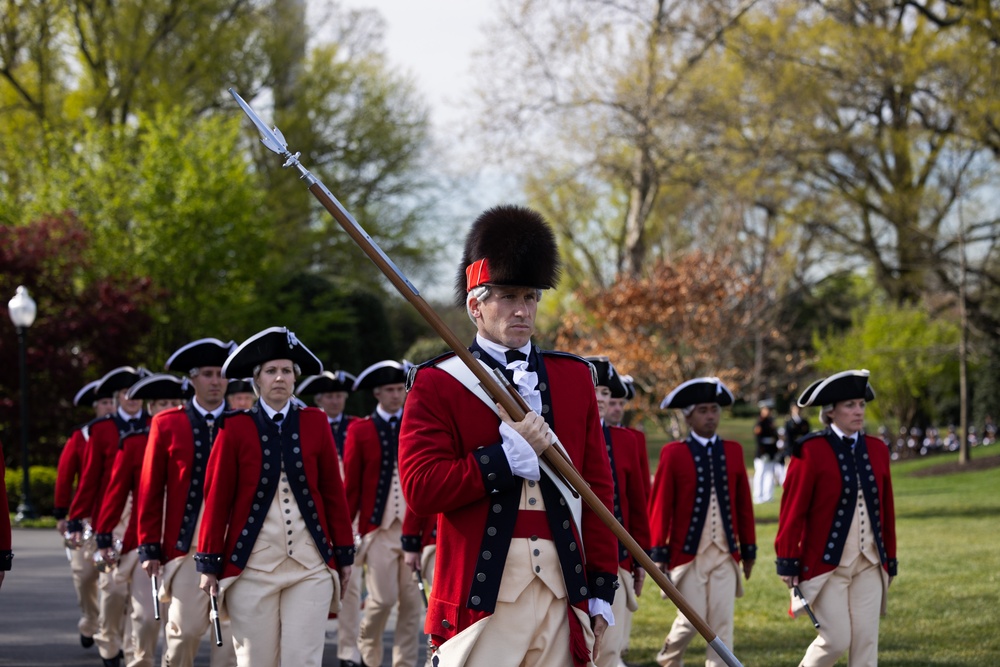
{"x":456,"y":368}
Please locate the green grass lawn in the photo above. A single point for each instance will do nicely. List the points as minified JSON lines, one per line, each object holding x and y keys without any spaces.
{"x":943,"y":607}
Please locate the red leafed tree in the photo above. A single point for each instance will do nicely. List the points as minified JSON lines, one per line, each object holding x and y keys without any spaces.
{"x":86,"y":324}
{"x":683,"y":320}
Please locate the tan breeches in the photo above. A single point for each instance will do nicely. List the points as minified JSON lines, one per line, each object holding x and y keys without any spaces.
{"x":349,"y":617}
{"x":616,"y":636}
{"x":188,"y":620}
{"x":81,"y":564}
{"x":847,"y":608}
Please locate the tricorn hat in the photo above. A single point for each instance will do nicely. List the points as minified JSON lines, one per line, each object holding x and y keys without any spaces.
{"x":842,"y":386}
{"x":697,"y":391}
{"x":120,"y":378}
{"x":382,"y":373}
{"x":508,"y":245}
{"x":88,"y":394}
{"x":202,"y":352}
{"x":629,"y":383}
{"x":161,"y":386}
{"x":325,"y":382}
{"x":242,"y":386}
{"x":267,"y":345}
{"x":607,"y":376}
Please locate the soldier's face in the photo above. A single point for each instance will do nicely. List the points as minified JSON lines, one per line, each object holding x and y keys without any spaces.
{"x":242,"y":400}
{"x":603,"y":396}
{"x":132,"y":406}
{"x":704,"y":419}
{"x":507,"y":317}
{"x":210,"y":386}
{"x":104,"y":406}
{"x":849,"y":416}
{"x":390,"y":396}
{"x":616,"y":410}
{"x":276,"y":378}
{"x":331,"y":402}
{"x":161,"y":404}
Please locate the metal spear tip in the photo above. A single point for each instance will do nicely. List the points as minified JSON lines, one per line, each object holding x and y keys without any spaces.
{"x":272,"y":138}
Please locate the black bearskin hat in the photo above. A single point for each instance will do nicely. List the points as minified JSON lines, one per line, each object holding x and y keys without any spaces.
{"x":508,"y":245}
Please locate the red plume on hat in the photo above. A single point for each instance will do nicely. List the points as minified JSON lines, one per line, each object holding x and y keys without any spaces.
{"x":508,"y":245}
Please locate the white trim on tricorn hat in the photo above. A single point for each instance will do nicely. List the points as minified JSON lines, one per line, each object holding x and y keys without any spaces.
{"x":120,"y":378}
{"x":326,"y":382}
{"x":161,"y":386}
{"x":87,"y":394}
{"x":382,"y":373}
{"x":842,"y":386}
{"x":267,"y":345}
{"x":629,"y":383}
{"x":697,"y":391}
{"x":607,"y":376}
{"x":199,"y":353}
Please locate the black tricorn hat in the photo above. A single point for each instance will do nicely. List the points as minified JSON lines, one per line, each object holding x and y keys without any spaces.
{"x":842,"y":386}
{"x":120,"y":378}
{"x":382,"y":373}
{"x":698,"y":391}
{"x":161,"y":386}
{"x":508,"y":245}
{"x":267,"y":345}
{"x":242,"y":386}
{"x":198,"y":353}
{"x":325,"y":382}
{"x":88,"y":394}
{"x":607,"y":376}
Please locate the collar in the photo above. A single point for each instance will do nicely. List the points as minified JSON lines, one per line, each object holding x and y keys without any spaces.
{"x":705,"y":442}
{"x":841,"y":434}
{"x":335,"y":420}
{"x":126,"y":416}
{"x":204,"y":413}
{"x":499,"y":352}
{"x":271,"y":412}
{"x":387,"y":415}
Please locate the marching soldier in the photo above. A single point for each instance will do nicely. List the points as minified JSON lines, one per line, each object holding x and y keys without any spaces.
{"x":630,"y":508}
{"x":276,"y":537}
{"x":161,"y":392}
{"x":836,"y":538}
{"x":766,"y":456}
{"x":70,"y":468}
{"x":329,"y":391}
{"x":375,"y":497}
{"x":171,"y":491}
{"x":6,"y":555}
{"x":239,"y":394}
{"x":701,"y":518}
{"x":523,"y":571}
{"x":100,"y":452}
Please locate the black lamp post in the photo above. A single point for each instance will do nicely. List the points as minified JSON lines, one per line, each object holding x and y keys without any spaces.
{"x":22,"y":313}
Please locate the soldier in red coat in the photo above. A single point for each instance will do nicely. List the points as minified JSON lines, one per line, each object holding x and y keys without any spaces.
{"x":376,"y":500}
{"x":100,"y":452}
{"x":276,"y":537}
{"x":239,"y":394}
{"x":161,"y":392}
{"x":836,"y":541}
{"x":630,"y":508}
{"x":81,"y":555}
{"x":171,"y":491}
{"x":6,"y":555}
{"x":701,"y":518}
{"x":329,"y":390}
{"x":524,"y":575}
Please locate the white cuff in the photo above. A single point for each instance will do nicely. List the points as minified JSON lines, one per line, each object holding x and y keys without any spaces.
{"x":602,"y":608}
{"x":520,"y":456}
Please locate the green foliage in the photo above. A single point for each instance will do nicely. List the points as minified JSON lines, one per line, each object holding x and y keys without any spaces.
{"x":908,"y":353}
{"x":43,"y":488}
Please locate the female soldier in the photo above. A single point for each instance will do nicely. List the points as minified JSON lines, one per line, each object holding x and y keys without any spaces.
{"x":275,"y":529}
{"x":836,"y":541}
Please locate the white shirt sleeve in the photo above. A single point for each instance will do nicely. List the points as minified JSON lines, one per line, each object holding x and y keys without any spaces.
{"x":520,"y":456}
{"x":602,"y":608}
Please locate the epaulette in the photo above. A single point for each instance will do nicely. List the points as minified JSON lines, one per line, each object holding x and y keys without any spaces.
{"x":411,"y":375}
{"x":230,"y":413}
{"x":85,"y":429}
{"x":574,"y":357}
{"x":121,"y":441}
{"x":797,"y":445}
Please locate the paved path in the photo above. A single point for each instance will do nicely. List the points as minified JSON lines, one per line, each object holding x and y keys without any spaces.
{"x":38,"y":611}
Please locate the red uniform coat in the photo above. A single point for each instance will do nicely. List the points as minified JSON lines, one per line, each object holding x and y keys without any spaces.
{"x":125,"y":476}
{"x":6,"y":555}
{"x":176,"y":455}
{"x":243,"y":474}
{"x":451,"y":462}
{"x":640,"y":439}
{"x":418,"y":531}
{"x":678,"y":487}
{"x":99,"y":457}
{"x":367,"y":462}
{"x":809,"y":541}
{"x":68,"y":471}
{"x":630,"y":496}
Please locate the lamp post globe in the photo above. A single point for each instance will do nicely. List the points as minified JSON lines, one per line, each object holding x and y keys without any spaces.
{"x":22,"y":311}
